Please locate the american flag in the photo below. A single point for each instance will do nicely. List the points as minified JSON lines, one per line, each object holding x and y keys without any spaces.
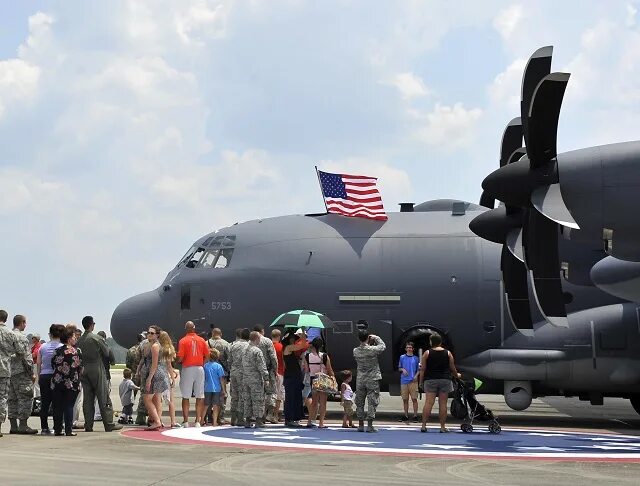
{"x":352,"y":195}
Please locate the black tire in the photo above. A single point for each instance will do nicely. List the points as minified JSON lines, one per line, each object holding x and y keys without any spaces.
{"x":466,"y":428}
{"x":494,"y":427}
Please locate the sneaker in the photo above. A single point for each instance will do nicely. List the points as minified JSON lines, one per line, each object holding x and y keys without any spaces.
{"x":185,"y":425}
{"x":46,"y":432}
{"x":112,"y":427}
{"x":176,"y":426}
{"x":415,"y":419}
{"x":404,"y":418}
{"x":197,"y":425}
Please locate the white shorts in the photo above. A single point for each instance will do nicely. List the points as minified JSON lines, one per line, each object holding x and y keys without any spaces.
{"x":279,"y":387}
{"x":192,"y":382}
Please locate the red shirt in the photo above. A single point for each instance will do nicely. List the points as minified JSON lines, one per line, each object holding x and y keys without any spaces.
{"x":34,"y":351}
{"x":300,"y":352}
{"x":278,"y":347}
{"x":192,"y":350}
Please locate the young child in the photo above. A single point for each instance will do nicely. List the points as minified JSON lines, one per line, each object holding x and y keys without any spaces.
{"x":215,"y":386}
{"x":126,"y":389}
{"x":346,"y":395}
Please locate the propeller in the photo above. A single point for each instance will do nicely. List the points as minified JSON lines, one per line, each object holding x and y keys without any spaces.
{"x":503,"y":225}
{"x":531,"y":183}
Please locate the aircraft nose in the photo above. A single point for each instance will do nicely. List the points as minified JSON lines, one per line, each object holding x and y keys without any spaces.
{"x":133,"y":316}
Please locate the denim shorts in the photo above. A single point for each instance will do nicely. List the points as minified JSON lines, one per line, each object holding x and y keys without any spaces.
{"x":438,"y":385}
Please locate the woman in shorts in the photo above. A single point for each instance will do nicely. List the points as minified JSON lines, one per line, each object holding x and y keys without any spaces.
{"x":317,"y":362}
{"x":436,"y":367}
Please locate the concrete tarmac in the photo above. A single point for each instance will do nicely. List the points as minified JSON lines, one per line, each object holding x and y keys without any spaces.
{"x":100,"y":457}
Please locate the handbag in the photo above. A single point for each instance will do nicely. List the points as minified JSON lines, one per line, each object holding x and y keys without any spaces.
{"x":325,"y":384}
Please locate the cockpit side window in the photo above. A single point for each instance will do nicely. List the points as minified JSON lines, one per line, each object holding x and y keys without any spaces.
{"x":216,"y":258}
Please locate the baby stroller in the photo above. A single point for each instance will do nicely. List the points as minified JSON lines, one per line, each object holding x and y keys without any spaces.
{"x":465,"y":407}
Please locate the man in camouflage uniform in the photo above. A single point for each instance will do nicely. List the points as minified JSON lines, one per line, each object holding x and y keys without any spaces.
{"x":216,"y":342}
{"x":9,"y":346}
{"x":367,"y":381}
{"x":271,"y":360}
{"x":20,"y":400}
{"x":236,"y":353}
{"x":255,"y":380}
{"x":134,"y":356}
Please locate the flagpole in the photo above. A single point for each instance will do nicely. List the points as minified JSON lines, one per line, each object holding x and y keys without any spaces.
{"x":321,"y":191}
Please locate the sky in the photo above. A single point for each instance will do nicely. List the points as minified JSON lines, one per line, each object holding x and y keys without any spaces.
{"x":128,"y":129}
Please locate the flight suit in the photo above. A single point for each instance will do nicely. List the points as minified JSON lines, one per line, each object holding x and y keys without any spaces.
{"x":271,"y":360}
{"x":223,"y":347}
{"x":254,"y":375}
{"x":94,"y":380}
{"x":20,"y":401}
{"x":368,"y":378}
{"x":9,"y":346}
{"x":236,"y":353}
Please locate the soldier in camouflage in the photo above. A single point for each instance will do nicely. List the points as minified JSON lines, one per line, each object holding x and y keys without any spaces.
{"x":271,"y":360}
{"x":223,"y":347}
{"x":368,"y":378}
{"x":236,"y":353}
{"x":20,"y":401}
{"x":8,"y":347}
{"x":255,"y":381}
{"x":132,"y":361}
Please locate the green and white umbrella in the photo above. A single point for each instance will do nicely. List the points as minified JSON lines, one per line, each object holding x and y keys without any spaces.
{"x":302,"y":318}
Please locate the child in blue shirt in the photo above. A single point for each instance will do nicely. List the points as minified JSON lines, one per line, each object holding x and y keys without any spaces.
{"x":409,"y":367}
{"x":215,"y":386}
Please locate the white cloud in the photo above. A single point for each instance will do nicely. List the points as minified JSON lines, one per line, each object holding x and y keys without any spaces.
{"x":202,"y":20}
{"x":409,"y":85}
{"x":508,"y":20}
{"x":631,"y":9}
{"x":18,"y":82}
{"x":505,"y":89}
{"x":449,"y":127}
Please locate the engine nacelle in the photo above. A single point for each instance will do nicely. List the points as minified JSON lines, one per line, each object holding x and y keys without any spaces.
{"x":517,"y":394}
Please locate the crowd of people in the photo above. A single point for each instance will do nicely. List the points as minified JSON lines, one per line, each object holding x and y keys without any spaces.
{"x":265,"y":378}
{"x":71,"y":370}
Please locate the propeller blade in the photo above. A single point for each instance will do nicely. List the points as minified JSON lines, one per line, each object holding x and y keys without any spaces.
{"x":511,"y":140}
{"x":543,"y":115}
{"x":514,"y":243}
{"x":514,"y":277}
{"x":541,"y":254}
{"x":538,"y":66}
{"x":487,"y":200}
{"x":549,"y":202}
{"x":494,"y":225}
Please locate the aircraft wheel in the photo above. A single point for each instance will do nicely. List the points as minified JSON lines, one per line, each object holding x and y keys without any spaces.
{"x":494,"y":427}
{"x":635,"y":403}
{"x":466,"y":428}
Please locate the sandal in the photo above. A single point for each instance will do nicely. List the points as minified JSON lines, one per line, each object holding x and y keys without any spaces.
{"x":444,"y":431}
{"x":152,"y":428}
{"x":423,"y":429}
{"x":323,"y":426}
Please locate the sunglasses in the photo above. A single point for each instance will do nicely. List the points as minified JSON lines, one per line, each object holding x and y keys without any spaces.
{"x":151,"y":332}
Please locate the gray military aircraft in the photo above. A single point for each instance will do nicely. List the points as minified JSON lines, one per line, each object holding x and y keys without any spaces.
{"x":422,"y":271}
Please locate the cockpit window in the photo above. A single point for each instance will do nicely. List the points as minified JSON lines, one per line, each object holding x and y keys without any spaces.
{"x":207,"y":241}
{"x":216,"y":258}
{"x":223,"y":241}
{"x":195,"y":258}
{"x":187,"y":256}
{"x":224,"y":258}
